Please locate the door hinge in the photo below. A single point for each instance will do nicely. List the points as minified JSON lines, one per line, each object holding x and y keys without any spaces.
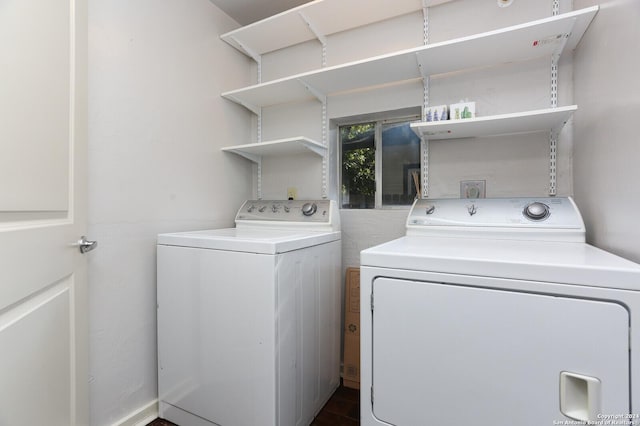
{"x":372,"y":396}
{"x":371,"y":302}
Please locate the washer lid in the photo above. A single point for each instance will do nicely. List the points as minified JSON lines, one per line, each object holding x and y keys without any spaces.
{"x":554,"y":262}
{"x":249,"y":240}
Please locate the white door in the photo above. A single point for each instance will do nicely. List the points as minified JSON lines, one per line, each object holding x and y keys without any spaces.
{"x":446,"y":354}
{"x":43,"y":294}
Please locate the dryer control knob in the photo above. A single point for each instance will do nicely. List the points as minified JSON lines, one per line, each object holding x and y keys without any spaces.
{"x":309,"y":208}
{"x":536,"y":211}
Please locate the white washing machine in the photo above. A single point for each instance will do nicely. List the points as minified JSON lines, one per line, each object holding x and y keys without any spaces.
{"x":495,"y":312}
{"x":249,"y":317}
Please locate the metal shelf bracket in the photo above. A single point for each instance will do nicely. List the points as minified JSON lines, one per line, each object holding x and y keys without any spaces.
{"x":321,"y":97}
{"x":253,"y":55}
{"x":321,"y":37}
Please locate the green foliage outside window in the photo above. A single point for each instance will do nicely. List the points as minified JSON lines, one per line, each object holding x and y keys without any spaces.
{"x":359,"y":171}
{"x":358,"y":165}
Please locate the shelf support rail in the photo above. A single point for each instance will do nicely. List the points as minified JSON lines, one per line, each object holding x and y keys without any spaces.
{"x":555,"y":58}
{"x":253,"y":55}
{"x":321,"y":37}
{"x":424,"y":141}
{"x":425,"y":22}
{"x":325,"y":155}
{"x":424,"y":147}
{"x":421,"y":67}
{"x":553,"y":135}
{"x":322,"y":98}
{"x":259,"y":178}
{"x":255,"y":158}
{"x":257,"y":111}
{"x":425,"y":87}
{"x":553,"y":152}
{"x":259,"y":126}
{"x":259,"y":159}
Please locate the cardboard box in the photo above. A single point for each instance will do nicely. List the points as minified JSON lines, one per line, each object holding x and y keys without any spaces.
{"x":437,"y":113}
{"x":462,"y":110}
{"x":351,"y":373}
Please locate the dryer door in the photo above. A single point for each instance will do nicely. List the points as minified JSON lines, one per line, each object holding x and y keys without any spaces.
{"x":448,"y":354}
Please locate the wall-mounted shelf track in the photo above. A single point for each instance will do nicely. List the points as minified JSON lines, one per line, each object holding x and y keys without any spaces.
{"x":540,"y":38}
{"x":548,"y":37}
{"x":549,"y":119}
{"x":315,"y":20}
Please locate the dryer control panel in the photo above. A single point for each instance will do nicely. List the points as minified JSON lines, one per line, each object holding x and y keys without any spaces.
{"x":546,"y":218}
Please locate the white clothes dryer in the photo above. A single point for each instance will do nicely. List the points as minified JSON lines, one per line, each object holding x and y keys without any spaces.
{"x":249,"y":317}
{"x":495,"y":312}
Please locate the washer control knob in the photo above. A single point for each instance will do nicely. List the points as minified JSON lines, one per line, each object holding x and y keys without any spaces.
{"x":309,"y":208}
{"x":287,"y":209}
{"x":262,"y":209}
{"x":430,"y":209}
{"x":536,"y":211}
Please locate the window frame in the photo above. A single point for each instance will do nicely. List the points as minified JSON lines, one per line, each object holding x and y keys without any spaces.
{"x":379,"y":121}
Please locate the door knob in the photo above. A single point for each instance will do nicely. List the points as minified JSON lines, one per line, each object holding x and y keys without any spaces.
{"x":86,"y":245}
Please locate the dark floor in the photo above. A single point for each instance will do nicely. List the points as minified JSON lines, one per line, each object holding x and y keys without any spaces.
{"x":342,"y":409}
{"x":160,"y":422}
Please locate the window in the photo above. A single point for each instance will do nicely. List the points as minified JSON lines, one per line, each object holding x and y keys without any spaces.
{"x":380,"y":164}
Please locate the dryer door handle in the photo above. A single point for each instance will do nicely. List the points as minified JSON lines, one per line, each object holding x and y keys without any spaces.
{"x":580,"y":396}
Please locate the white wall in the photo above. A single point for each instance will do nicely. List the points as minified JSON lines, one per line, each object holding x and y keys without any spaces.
{"x":511,"y":165}
{"x":157,"y":122}
{"x":607,"y":148}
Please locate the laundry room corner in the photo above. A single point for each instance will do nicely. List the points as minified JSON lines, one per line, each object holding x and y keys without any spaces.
{"x":606,"y":154}
{"x":366,"y":228}
{"x":157,"y":123}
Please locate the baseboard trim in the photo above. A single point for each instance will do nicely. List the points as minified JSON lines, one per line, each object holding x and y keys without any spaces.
{"x":140,"y":417}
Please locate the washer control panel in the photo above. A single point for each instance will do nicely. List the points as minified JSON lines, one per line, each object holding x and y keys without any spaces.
{"x":484,"y":215}
{"x":286,"y":210}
